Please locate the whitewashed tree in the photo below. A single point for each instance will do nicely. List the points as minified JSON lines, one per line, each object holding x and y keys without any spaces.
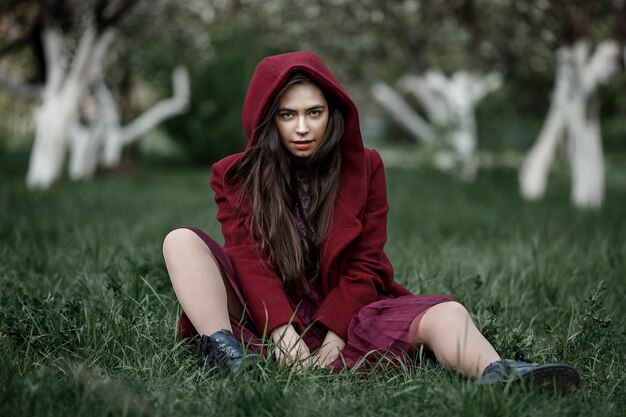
{"x":76,"y":113}
{"x":573,"y":119}
{"x":450,"y":105}
{"x":66,"y":83}
{"x":573,"y":116}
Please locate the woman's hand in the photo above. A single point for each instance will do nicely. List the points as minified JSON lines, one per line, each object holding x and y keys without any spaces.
{"x":289,"y":346}
{"x":329,"y":351}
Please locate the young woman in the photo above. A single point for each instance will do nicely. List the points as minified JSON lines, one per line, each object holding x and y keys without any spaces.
{"x":304,"y":215}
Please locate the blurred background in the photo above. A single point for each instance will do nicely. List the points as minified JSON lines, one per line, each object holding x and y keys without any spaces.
{"x":463,"y":85}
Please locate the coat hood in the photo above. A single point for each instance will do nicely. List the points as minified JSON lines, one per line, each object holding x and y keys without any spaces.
{"x":271,"y":74}
{"x":274,"y":71}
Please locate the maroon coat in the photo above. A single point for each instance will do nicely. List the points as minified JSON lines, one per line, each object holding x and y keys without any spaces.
{"x":354,"y":268}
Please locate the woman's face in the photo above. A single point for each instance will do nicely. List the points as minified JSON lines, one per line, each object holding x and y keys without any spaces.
{"x":301,"y":119}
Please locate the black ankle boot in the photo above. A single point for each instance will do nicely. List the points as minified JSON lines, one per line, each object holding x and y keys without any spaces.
{"x":221,"y":349}
{"x":549,"y":378}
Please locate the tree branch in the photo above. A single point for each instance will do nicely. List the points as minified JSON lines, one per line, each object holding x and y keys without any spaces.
{"x":162,"y":110}
{"x":402,"y":112}
{"x":55,"y":57}
{"x":601,"y":66}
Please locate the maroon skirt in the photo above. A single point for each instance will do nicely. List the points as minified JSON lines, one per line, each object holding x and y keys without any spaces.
{"x":381,"y":333}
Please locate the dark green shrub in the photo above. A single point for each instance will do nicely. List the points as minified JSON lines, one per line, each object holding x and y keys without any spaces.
{"x":211,"y":129}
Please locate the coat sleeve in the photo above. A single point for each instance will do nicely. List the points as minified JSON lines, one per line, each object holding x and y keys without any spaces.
{"x":368,"y":271}
{"x":263,"y":291}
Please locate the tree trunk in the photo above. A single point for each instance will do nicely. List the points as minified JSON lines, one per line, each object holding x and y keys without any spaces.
{"x":534,"y":171}
{"x":58,"y":111}
{"x":575,"y":111}
{"x":85,"y":145}
{"x":587,"y":158}
{"x":52,"y":117}
{"x":88,"y":140}
{"x":52,"y":121}
{"x":533,"y":176}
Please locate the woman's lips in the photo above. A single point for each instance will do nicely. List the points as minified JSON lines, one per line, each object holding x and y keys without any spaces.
{"x":302,"y":145}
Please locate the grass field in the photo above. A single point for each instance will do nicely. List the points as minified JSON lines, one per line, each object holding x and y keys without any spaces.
{"x":87,"y":313}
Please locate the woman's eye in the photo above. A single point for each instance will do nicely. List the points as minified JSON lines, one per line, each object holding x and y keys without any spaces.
{"x":286,"y":116}
{"x":316,"y":113}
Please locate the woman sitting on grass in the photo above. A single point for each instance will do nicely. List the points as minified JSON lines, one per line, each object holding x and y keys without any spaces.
{"x":304,"y":217}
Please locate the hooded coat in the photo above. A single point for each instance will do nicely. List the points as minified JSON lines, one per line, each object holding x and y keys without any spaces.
{"x":354,"y":269}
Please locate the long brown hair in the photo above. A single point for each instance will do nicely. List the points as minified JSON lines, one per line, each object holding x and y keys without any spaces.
{"x":265,"y":177}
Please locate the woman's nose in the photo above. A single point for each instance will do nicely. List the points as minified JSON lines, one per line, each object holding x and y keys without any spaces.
{"x":303,"y":127}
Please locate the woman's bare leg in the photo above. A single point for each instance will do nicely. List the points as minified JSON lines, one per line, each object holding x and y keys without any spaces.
{"x":204,"y":294}
{"x":448,"y":330}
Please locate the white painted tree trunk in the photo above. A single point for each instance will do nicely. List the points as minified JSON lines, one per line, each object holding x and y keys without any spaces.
{"x":587,"y":158}
{"x":533,"y":176}
{"x":58,"y":111}
{"x":574,"y":111}
{"x":57,"y":123}
{"x":86,"y":140}
{"x":52,"y":117}
{"x":100,"y":111}
{"x":534,"y":170}
{"x":52,"y":121}
{"x":450,"y":103}
{"x":84,"y":150}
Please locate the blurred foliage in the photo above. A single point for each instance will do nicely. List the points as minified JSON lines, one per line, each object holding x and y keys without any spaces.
{"x":211,"y":129}
{"x":360,"y":40}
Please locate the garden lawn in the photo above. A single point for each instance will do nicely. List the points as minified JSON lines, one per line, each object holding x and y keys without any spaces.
{"x":87,"y":314}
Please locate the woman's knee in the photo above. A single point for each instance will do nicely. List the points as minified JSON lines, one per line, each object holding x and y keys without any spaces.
{"x":452,"y":309}
{"x":443,"y":314}
{"x":180,"y":239}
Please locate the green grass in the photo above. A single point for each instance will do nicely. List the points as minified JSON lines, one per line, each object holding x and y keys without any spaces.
{"x":87,"y":315}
